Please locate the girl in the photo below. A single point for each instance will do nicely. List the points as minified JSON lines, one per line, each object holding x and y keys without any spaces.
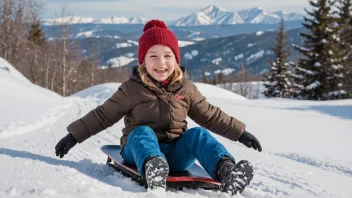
{"x":155,"y":102}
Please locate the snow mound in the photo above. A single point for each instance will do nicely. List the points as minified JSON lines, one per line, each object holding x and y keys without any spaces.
{"x":211,"y":91}
{"x":21,"y":100}
{"x":7,"y":69}
{"x":101,"y":91}
{"x":104,"y":91}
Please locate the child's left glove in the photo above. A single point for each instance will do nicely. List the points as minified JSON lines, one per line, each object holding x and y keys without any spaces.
{"x":250,"y":141}
{"x":65,"y":144}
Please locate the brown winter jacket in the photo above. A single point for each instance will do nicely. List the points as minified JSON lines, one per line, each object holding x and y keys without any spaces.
{"x":162,"y":109}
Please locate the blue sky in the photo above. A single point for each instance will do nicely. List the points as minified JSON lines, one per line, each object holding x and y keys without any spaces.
{"x":161,"y":9}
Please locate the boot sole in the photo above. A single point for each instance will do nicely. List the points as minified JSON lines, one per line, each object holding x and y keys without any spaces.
{"x":156,"y":173}
{"x":238,"y":179}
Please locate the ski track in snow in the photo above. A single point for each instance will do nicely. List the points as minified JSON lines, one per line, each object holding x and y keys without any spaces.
{"x":48,"y":119}
{"x":325,"y":165}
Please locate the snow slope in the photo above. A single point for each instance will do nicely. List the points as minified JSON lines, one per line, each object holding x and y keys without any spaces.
{"x":20,"y":100}
{"x":305,"y":146}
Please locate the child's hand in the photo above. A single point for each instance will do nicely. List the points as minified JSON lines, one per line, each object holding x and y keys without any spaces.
{"x":250,"y":141}
{"x":64,"y":145}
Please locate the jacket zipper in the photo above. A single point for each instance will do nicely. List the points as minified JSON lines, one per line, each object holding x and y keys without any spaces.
{"x":168,"y":102}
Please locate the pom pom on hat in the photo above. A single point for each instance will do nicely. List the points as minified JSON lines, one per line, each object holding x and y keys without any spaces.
{"x":157,"y":33}
{"x":154,"y":23}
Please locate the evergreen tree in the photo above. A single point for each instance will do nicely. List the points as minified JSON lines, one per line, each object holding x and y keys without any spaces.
{"x":319,"y":74}
{"x":36,"y":34}
{"x":277,"y":83}
{"x":345,"y":22}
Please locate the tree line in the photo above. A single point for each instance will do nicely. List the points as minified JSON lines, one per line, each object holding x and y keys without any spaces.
{"x":57,"y":64}
{"x":324,"y":69}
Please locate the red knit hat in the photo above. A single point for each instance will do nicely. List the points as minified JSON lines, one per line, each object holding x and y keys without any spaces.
{"x":156,"y":32}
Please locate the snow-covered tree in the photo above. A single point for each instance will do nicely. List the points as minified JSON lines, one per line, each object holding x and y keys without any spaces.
{"x":345,"y":22}
{"x":319,"y":74}
{"x":277,"y":83}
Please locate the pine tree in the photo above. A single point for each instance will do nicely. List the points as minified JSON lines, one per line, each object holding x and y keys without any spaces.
{"x":319,"y":74}
{"x":345,"y":22}
{"x":277,"y":83}
{"x":36,"y":34}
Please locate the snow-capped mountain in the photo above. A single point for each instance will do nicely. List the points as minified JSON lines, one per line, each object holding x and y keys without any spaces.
{"x":209,"y":16}
{"x":213,"y":15}
{"x":85,"y":20}
{"x":121,"y":20}
{"x":258,"y":15}
{"x":288,"y":16}
{"x":68,"y":20}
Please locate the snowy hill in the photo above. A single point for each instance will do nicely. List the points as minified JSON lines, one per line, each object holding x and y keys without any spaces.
{"x":107,"y":89}
{"x":305,"y":146}
{"x":20,"y":100}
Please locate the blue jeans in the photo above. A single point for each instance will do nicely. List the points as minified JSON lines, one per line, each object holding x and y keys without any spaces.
{"x":195,"y":143}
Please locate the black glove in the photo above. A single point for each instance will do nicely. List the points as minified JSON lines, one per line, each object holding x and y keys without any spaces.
{"x":65,"y":144}
{"x":250,"y":141}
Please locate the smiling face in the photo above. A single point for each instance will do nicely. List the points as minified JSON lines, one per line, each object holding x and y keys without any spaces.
{"x":160,"y":62}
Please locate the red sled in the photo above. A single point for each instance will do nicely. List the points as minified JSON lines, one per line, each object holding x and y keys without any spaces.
{"x":193,"y":178}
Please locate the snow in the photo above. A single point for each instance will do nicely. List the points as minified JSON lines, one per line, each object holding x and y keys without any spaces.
{"x":250,"y":45}
{"x":194,"y":52}
{"x":85,"y":34}
{"x":259,"y":33}
{"x":317,"y":64}
{"x":216,"y":61}
{"x":239,"y":56}
{"x":184,"y":43}
{"x":313,"y":85}
{"x":217,"y":71}
{"x":120,"y":61}
{"x":134,"y":42}
{"x":188,"y":56}
{"x":254,"y":57}
{"x":123,"y":45}
{"x":207,"y":73}
{"x":305,"y":145}
{"x":226,"y":71}
{"x":21,"y":100}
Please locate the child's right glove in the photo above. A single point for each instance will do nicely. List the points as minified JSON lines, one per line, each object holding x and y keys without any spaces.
{"x":250,"y":141}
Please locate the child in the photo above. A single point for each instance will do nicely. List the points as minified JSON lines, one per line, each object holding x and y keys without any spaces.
{"x":155,"y":102}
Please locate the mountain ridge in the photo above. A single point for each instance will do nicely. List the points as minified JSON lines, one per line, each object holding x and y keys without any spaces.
{"x":210,"y":15}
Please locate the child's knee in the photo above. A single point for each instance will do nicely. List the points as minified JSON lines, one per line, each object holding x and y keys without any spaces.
{"x":197,"y":132}
{"x":142,"y":131}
